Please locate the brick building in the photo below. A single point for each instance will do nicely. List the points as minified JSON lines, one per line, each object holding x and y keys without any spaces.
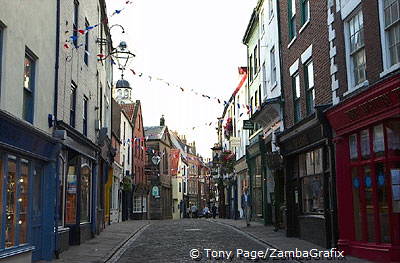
{"x":365,"y":46}
{"x":304,"y":144}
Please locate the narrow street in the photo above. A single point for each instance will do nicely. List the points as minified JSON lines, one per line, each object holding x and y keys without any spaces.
{"x":172,"y":241}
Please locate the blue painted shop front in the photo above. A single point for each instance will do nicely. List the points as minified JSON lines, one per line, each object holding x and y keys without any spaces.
{"x":27,"y":191}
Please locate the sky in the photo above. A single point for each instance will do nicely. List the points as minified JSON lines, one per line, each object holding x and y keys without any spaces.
{"x":193,"y":44}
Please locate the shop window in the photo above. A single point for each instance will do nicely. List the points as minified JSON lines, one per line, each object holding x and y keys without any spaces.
{"x":365,"y":147}
{"x":353,"y":147}
{"x":23,"y":200}
{"x":393,"y":136}
{"x":11,"y":208}
{"x":369,"y":203}
{"x":395,"y":178}
{"x":379,"y":141}
{"x":312,"y":182}
{"x":85,"y":190}
{"x":356,"y":181}
{"x":137,"y":205}
{"x":381,"y":179}
{"x":71,"y":193}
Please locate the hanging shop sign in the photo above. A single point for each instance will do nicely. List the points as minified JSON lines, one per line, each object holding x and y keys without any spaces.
{"x":248,"y":125}
{"x":155,"y":191}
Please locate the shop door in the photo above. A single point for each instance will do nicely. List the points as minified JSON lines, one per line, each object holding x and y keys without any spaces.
{"x":37,"y":203}
{"x":371,"y":186}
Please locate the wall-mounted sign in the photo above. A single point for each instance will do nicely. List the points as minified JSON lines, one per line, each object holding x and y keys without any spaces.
{"x":155,"y":191}
{"x":234,"y":141}
{"x":248,"y":125}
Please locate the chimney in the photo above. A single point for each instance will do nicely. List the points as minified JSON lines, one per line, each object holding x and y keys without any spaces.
{"x":162,"y":121}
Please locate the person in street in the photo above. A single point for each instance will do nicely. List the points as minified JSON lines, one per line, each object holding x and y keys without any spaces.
{"x":206,"y":212}
{"x":214,"y":210}
{"x":194,"y":211}
{"x":246,"y":205}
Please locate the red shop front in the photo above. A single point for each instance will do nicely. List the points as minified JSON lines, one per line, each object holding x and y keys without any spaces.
{"x":367,"y":139}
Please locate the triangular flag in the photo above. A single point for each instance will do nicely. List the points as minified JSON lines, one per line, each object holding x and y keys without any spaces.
{"x":133,"y":72}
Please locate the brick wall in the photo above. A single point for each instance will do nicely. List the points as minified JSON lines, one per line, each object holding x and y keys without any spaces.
{"x":372,"y":39}
{"x":314,"y":33}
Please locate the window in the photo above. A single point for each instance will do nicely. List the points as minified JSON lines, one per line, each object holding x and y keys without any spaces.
{"x":271,"y":8}
{"x":273,"y":66}
{"x":393,"y":137}
{"x":356,"y":48}
{"x":139,"y":204}
{"x":292,"y":18}
{"x":392,"y":30}
{"x":296,"y":97}
{"x":85,"y":190}
{"x":251,"y":68}
{"x":86,"y":55}
{"x":75,"y":20}
{"x":72,"y":111}
{"x":259,"y":96}
{"x":305,"y":11}
{"x":262,"y":22}
{"x":180,"y":187}
{"x":71,"y":191}
{"x":312,"y":182}
{"x":255,"y":60}
{"x":310,"y":91}
{"x":256,"y":101}
{"x":85,"y":116}
{"x":29,"y":88}
{"x":16,"y":178}
{"x":353,"y":147}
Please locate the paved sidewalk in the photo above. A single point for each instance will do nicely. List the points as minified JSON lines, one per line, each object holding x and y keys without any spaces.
{"x":278,"y":239}
{"x":103,"y":246}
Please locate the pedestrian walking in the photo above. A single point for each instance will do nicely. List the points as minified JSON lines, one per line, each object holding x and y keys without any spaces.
{"x":246,"y":206}
{"x":194,"y":211}
{"x":214,"y":211}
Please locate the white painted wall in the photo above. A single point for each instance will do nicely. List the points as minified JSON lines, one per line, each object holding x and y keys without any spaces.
{"x":125,"y":145}
{"x":29,"y":25}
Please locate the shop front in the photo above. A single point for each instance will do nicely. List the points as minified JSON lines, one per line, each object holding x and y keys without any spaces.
{"x":78,"y":186}
{"x":27,"y":191}
{"x":367,"y":140}
{"x":309,"y":181}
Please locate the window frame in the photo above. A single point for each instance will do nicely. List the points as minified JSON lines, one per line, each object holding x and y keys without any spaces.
{"x":387,"y":67}
{"x":305,"y":5}
{"x":350,"y":54}
{"x":72,"y":110}
{"x":85,"y":114}
{"x":86,"y":52}
{"x":307,"y":88}
{"x":273,"y":67}
{"x":296,"y":99}
{"x":29,"y":115}
{"x":292,"y":19}
{"x":2,"y":27}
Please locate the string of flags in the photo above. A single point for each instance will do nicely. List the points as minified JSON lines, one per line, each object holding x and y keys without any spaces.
{"x":82,"y":31}
{"x":218,"y":100}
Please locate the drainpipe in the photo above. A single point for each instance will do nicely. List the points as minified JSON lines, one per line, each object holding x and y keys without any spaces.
{"x":58,"y":10}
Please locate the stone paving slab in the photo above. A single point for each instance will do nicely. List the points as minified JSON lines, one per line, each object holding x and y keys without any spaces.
{"x":278,"y":239}
{"x":103,"y":246}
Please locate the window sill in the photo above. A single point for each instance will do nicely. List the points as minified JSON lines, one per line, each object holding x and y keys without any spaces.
{"x":389,"y":70}
{"x":304,"y":26}
{"x":62,"y":229}
{"x":291,"y":42}
{"x":320,"y":216}
{"x":13,"y":251}
{"x":351,"y":90}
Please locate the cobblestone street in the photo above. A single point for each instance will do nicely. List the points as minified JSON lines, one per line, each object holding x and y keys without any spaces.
{"x":171,"y":241}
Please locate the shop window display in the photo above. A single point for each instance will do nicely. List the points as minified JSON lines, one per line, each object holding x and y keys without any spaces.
{"x":312,"y":182}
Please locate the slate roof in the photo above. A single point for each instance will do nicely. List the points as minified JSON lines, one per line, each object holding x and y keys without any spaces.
{"x":154,"y":132}
{"x":176,"y":143}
